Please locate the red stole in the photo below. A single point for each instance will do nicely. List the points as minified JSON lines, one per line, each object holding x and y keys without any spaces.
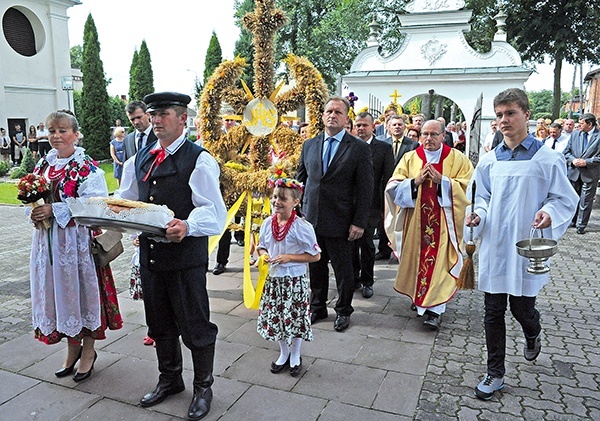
{"x":431,"y":219}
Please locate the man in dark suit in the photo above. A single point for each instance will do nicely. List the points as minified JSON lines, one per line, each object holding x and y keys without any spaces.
{"x":382,"y":131}
{"x":363,"y":258}
{"x":143,"y":133}
{"x":337,"y":171}
{"x":583,"y":167}
{"x":400,"y":145}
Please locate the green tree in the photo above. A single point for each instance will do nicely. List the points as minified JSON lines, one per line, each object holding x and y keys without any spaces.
{"x":117,"y":110}
{"x":133,"y":78}
{"x":564,"y":30}
{"x":243,"y":45}
{"x":144,"y":73}
{"x":95,"y":120}
{"x":328,"y":32}
{"x":213,"y":58}
{"x":76,"y":56}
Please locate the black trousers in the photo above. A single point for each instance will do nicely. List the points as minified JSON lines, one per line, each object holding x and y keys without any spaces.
{"x":43,"y":148}
{"x":176,"y":303}
{"x":524,"y":311}
{"x":587,"y":193}
{"x":339,"y":252}
{"x":383,"y":239}
{"x":363,"y":256}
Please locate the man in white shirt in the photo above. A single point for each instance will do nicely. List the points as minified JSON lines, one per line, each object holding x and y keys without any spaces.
{"x":557,"y":140}
{"x":42,"y":140}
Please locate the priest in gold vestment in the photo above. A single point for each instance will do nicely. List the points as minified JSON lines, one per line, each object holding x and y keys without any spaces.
{"x":425,"y":211}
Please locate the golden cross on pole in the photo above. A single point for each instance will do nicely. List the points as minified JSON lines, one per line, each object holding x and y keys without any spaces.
{"x":395,"y":95}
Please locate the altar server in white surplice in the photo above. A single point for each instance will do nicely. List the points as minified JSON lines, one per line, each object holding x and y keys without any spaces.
{"x":519,"y":185}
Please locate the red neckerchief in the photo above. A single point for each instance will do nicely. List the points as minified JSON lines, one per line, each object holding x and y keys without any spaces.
{"x":160,"y":157}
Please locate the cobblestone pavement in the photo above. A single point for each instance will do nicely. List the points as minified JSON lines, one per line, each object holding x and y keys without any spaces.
{"x":563,"y":383}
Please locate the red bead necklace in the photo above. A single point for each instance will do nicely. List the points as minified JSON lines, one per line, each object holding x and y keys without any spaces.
{"x":56,"y":174}
{"x":279,"y":233}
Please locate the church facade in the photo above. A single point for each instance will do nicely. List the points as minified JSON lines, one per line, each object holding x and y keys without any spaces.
{"x":435,"y":58}
{"x":35,"y":68}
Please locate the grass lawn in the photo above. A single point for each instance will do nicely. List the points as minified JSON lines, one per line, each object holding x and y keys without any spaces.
{"x":8,"y":191}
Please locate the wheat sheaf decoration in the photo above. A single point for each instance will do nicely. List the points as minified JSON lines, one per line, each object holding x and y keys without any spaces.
{"x":244,"y":153}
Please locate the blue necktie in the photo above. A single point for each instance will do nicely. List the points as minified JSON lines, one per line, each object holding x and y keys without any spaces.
{"x":140,"y":140}
{"x":327,"y":156}
{"x":585,"y":140}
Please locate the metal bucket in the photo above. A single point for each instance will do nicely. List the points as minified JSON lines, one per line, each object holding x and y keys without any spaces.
{"x":538,"y":251}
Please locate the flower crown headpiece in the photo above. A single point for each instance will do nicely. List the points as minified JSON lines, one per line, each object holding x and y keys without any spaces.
{"x":290,"y":183}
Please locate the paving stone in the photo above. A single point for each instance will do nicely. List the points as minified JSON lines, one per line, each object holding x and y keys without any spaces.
{"x":385,"y":354}
{"x":387,"y":397}
{"x":345,"y":383}
{"x":335,"y":411}
{"x":254,"y":367}
{"x":262,"y":403}
{"x":46,"y":401}
{"x":108,"y":409}
{"x":13,"y":385}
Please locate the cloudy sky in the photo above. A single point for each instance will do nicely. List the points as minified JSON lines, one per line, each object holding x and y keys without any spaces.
{"x":177,"y":33}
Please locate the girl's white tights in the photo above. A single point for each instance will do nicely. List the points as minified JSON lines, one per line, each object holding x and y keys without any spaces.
{"x":295,"y":352}
{"x":284,"y":352}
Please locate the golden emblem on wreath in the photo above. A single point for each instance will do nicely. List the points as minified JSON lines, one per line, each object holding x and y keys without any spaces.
{"x":260,"y":117}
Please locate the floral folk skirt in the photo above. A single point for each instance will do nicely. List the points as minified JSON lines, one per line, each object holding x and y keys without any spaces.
{"x":109,"y":309}
{"x":284,"y":309}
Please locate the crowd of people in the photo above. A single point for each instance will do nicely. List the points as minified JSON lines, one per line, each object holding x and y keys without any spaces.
{"x":13,"y":144}
{"x":405,"y":181}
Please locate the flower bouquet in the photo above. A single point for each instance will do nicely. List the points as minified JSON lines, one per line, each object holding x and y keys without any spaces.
{"x":34,"y":190}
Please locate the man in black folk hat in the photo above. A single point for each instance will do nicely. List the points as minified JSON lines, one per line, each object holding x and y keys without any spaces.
{"x":185,"y":178}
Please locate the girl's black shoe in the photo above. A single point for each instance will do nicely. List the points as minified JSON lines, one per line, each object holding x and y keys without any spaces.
{"x":279,"y":368}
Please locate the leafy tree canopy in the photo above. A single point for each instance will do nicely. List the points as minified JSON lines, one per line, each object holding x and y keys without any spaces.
{"x":76,"y":56}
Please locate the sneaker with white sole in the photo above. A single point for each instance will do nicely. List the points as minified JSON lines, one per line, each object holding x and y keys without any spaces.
{"x":532,"y":347}
{"x":486,"y":388}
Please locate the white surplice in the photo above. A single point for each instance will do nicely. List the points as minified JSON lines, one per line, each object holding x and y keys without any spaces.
{"x":508,"y":195}
{"x":64,"y":286}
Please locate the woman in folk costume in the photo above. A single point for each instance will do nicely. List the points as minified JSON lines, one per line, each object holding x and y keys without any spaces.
{"x":71,"y":297}
{"x":425,"y":208}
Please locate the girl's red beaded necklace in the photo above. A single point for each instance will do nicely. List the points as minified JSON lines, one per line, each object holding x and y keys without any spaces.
{"x":279,"y":233}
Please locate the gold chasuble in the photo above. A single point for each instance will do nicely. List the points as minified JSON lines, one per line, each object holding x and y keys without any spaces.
{"x":430,"y":255}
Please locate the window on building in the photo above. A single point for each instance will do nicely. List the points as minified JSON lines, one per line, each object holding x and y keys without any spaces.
{"x":18,"y":32}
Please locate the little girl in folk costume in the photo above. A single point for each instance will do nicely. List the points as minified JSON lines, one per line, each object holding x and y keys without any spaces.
{"x":288,"y":243}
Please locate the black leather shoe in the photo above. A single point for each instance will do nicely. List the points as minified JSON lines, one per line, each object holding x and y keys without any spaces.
{"x":275,"y":368}
{"x":296,"y":370}
{"x":580,"y":230}
{"x":79,"y":377}
{"x":161,"y":392}
{"x":200,"y":406}
{"x":341,"y":323}
{"x":219,"y":269}
{"x":65,"y":371}
{"x":240,"y":243}
{"x":316,"y":316}
{"x":413,"y":307}
{"x":382,"y":256}
{"x":572,"y":225}
{"x":367,"y":291}
{"x":432,"y":320}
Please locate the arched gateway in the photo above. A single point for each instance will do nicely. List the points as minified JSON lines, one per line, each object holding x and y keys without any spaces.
{"x":436,"y":58}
